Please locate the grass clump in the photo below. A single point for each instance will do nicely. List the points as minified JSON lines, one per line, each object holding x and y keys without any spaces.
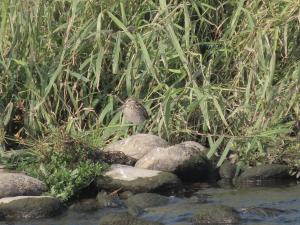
{"x":66,"y":165}
{"x":224,"y":73}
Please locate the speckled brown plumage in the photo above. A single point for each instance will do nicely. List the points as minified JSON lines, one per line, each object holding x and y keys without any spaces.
{"x":134,"y":112}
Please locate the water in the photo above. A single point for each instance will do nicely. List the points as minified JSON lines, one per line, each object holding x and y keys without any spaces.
{"x":284,"y":200}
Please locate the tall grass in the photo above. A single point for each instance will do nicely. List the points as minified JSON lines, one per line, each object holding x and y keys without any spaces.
{"x":224,"y":73}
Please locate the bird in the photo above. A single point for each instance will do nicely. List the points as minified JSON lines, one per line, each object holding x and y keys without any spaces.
{"x":134,"y":112}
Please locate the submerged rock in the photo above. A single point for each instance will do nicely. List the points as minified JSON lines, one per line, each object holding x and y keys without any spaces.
{"x":179,"y":210}
{"x":85,"y":205}
{"x":125,"y":195}
{"x":146,"y":200}
{"x":136,"y":146}
{"x":106,"y":200}
{"x":225,"y":183}
{"x":18,"y":184}
{"x":216,"y":214}
{"x":264,"y":172}
{"x":124,"y":219}
{"x":188,"y":160}
{"x":29,"y":207}
{"x":103,"y":200}
{"x":263,"y":212}
{"x":136,"y":180}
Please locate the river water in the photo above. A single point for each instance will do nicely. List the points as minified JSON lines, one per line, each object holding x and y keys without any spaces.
{"x":282,"y":203}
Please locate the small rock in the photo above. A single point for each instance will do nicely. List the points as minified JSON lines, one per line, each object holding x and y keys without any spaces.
{"x":263,"y":212}
{"x":216,"y":214}
{"x":85,"y":205}
{"x":198,"y":198}
{"x":29,"y":207}
{"x":136,"y":180}
{"x":178,"y":210}
{"x":18,"y":184}
{"x":124,"y":219}
{"x":225,"y":183}
{"x":227,"y":170}
{"x":125,"y":195}
{"x":136,"y":146}
{"x":146,"y":200}
{"x":105,"y":200}
{"x":135,"y":211}
{"x":264,"y":172}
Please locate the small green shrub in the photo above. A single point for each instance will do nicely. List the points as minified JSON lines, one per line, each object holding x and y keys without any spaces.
{"x":62,"y":162}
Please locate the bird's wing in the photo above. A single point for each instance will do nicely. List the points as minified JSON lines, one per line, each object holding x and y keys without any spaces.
{"x":144,"y":111}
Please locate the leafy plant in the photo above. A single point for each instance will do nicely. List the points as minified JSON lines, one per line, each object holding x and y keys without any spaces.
{"x":64,"y":163}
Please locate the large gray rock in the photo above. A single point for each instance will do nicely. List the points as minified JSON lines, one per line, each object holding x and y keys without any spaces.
{"x":264,"y":172}
{"x":17,"y":184}
{"x":169,"y":158}
{"x":136,"y":146}
{"x":124,"y":219}
{"x":216,"y":214}
{"x":135,"y":179}
{"x":29,"y":207}
{"x":188,"y":160}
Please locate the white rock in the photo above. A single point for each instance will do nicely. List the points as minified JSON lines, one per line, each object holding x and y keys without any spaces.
{"x":134,"y":179}
{"x":129,"y":173}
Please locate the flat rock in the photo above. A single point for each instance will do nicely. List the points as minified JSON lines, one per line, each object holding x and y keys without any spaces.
{"x":264,"y":172}
{"x":188,"y":160}
{"x":136,"y":146}
{"x":146,"y":200}
{"x":85,"y":205}
{"x":136,"y":180}
{"x":18,"y":184}
{"x":263,"y":211}
{"x":29,"y":207}
{"x":216,"y":214}
{"x":177,"y":210}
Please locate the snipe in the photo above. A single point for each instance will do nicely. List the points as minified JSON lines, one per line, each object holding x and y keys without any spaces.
{"x":134,"y":112}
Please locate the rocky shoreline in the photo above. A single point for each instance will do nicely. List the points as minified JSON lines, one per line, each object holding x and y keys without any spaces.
{"x":135,"y":182}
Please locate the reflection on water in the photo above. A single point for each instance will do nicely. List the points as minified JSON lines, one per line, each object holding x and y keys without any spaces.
{"x":269,"y":205}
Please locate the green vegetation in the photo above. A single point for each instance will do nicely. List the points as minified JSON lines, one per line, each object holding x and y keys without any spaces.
{"x":224,"y":73}
{"x":64,"y":163}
